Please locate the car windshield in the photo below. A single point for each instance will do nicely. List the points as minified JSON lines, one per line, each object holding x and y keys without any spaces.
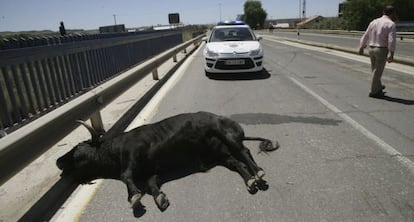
{"x":231,"y":34}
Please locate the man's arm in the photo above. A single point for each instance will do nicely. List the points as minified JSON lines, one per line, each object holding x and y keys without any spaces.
{"x":392,"y":42}
{"x":390,"y":57}
{"x":364,"y":40}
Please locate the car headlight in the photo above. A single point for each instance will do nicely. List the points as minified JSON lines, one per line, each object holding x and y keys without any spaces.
{"x":256,"y":52}
{"x":210,"y":53}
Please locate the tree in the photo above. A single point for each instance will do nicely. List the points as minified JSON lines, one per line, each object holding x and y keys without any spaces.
{"x":254,"y":14}
{"x":359,"y":13}
{"x":404,"y":10}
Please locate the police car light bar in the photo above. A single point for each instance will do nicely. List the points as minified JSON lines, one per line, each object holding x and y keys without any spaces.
{"x":237,"y":22}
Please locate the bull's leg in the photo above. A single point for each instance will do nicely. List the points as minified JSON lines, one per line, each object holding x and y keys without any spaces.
{"x":160,"y":198}
{"x":260,"y":182}
{"x":248,"y":159}
{"x":243,"y":154}
{"x":235,"y":165}
{"x":134,"y":194}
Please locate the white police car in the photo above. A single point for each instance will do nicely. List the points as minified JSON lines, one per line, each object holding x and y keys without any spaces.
{"x":232,"y":48}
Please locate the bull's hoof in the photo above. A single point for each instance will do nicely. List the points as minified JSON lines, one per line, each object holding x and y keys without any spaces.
{"x":162,"y":202}
{"x":251,"y":186}
{"x":262,"y":185}
{"x":260,"y":174}
{"x":135,"y":200}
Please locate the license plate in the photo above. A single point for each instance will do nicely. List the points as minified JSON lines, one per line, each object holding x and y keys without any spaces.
{"x":234,"y":62}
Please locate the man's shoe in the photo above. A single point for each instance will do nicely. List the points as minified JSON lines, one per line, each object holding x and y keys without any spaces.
{"x":377,"y":95}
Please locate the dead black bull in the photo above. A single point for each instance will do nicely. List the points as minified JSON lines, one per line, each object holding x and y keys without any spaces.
{"x":139,"y":157}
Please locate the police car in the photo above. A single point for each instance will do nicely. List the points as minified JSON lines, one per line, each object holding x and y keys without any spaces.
{"x":232,"y":47}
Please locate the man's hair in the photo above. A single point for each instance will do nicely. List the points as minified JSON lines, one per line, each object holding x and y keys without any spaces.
{"x":388,"y":10}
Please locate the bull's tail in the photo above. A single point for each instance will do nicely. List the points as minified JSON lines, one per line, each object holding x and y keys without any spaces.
{"x":265,"y":144}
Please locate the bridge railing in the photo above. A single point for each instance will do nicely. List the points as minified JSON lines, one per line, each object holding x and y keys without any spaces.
{"x":400,"y":35}
{"x":48,"y":40}
{"x":35,"y":80}
{"x":24,"y":145}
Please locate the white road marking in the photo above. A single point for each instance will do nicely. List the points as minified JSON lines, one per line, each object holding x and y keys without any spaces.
{"x":406,"y":162}
{"x":73,"y":207}
{"x":394,"y":66}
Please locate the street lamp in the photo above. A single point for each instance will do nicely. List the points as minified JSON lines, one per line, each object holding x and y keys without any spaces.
{"x":300,"y":18}
{"x":220,"y":11}
{"x":114,"y":18}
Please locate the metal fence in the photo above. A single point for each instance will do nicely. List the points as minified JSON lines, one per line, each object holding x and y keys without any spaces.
{"x":37,"y":79}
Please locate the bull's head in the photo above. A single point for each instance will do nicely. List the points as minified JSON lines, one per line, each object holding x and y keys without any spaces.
{"x":81,"y":162}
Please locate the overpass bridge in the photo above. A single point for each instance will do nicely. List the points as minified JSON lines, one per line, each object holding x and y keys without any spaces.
{"x":335,"y":161}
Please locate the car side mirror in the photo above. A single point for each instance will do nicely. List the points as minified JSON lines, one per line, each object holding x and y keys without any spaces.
{"x":259,"y":38}
{"x":204,"y":39}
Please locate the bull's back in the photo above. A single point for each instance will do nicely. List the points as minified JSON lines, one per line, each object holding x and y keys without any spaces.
{"x":183,"y":138}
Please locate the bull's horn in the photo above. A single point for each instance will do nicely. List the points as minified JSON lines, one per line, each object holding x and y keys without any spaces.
{"x":92,"y":131}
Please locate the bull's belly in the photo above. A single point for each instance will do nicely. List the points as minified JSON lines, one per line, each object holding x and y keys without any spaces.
{"x":188,"y":154}
{"x":199,"y":161}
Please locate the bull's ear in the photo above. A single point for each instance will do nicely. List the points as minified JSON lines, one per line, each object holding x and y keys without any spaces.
{"x":92,"y":131}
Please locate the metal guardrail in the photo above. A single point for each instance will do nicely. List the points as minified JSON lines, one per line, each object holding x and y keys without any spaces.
{"x":397,"y":59}
{"x":409,"y":35}
{"x":38,"y":79}
{"x":24,"y":145}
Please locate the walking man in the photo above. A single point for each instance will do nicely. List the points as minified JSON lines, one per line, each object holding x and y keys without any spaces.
{"x":380,"y":36}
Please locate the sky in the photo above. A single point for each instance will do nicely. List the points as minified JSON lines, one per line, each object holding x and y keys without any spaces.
{"x":28,"y":15}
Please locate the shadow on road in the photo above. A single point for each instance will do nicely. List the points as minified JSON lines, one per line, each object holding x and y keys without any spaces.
{"x":398,"y":100}
{"x":271,"y":118}
{"x":240,"y":76}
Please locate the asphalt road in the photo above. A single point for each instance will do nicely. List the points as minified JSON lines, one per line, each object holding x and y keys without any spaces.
{"x":343,"y":156}
{"x":404,"y":47}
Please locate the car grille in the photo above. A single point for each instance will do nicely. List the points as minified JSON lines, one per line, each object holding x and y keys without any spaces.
{"x":248,"y":64}
{"x":234,"y":53}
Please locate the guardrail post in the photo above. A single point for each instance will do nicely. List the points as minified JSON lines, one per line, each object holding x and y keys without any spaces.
{"x":96,"y":119}
{"x":155,"y":74}
{"x":175,"y":56}
{"x":97,"y":124}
